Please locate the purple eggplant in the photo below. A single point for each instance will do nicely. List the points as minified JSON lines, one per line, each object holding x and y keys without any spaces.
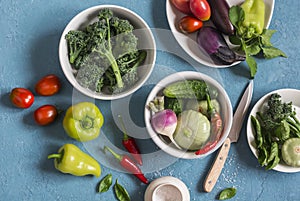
{"x":213,"y":43}
{"x":220,"y":16}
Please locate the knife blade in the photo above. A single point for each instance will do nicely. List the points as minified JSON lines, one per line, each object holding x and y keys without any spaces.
{"x":238,"y":118}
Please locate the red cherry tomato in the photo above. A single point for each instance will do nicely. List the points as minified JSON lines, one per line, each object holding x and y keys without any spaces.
{"x":45,"y":114}
{"x":21,"y":97}
{"x":182,"y":5}
{"x":200,"y":9}
{"x":189,"y":24}
{"x":48,"y":85}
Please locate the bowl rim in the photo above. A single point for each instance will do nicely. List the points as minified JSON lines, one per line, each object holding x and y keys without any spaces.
{"x":172,"y":150}
{"x":70,"y":76}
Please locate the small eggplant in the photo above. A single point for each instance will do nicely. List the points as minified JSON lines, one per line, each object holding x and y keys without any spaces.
{"x":220,"y":16}
{"x":213,"y":43}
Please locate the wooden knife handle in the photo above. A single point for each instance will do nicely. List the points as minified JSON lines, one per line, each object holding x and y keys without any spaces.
{"x":216,"y":169}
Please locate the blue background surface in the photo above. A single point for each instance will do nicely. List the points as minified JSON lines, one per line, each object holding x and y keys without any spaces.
{"x":29,"y":36}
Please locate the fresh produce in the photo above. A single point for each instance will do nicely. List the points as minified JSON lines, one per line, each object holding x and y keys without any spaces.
{"x":83,"y":121}
{"x":200,"y":9}
{"x":164,"y":122}
{"x":216,"y":123}
{"x":251,"y":36}
{"x":127,"y":163}
{"x":273,"y":127}
{"x":182,"y":5}
{"x":213,"y":43}
{"x":291,"y":152}
{"x":193,"y":130}
{"x":227,"y":193}
{"x":120,"y":192}
{"x":254,"y":18}
{"x":105,"y":54}
{"x":130,"y":145}
{"x":196,"y":89}
{"x":48,"y":85}
{"x":21,"y":97}
{"x":220,"y":16}
{"x":105,"y":183}
{"x":70,"y":159}
{"x":45,"y":114}
{"x":174,"y":104}
{"x":189,"y":24}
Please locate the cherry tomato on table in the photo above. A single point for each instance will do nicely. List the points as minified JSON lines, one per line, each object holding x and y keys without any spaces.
{"x":21,"y":97}
{"x":182,"y":5}
{"x":45,"y":114}
{"x":48,"y":85}
{"x":200,"y":9}
{"x":189,"y":24}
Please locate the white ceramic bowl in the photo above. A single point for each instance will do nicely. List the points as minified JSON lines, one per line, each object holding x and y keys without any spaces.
{"x":142,"y":31}
{"x":188,"y":41}
{"x":287,"y":95}
{"x":223,"y":99}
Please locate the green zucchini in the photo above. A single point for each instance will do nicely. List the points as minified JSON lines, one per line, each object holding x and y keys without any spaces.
{"x":189,"y":89}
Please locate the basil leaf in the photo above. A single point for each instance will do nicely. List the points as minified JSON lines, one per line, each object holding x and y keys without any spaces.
{"x":266,"y":37}
{"x":273,"y":164}
{"x":121,"y":192}
{"x":236,"y":16}
{"x":272,"y":52}
{"x":252,"y":64}
{"x":227,"y":193}
{"x":235,"y":40}
{"x":105,"y":183}
{"x":253,"y":48}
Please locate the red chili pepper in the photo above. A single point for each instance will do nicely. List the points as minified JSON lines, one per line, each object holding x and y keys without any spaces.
{"x":216,"y":128}
{"x":130,"y":144}
{"x":127,"y":163}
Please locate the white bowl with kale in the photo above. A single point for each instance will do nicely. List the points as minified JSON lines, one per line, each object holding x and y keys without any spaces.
{"x":195,"y":129}
{"x":107,"y":52}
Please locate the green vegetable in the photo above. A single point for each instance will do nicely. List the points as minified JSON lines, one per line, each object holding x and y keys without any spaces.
{"x":273,"y":128}
{"x":251,"y":36}
{"x":105,"y":183}
{"x":105,"y":53}
{"x":120,"y":192}
{"x":254,"y":21}
{"x":70,"y":159}
{"x":83,"y":121}
{"x":193,"y":130}
{"x":291,"y":152}
{"x":174,"y":104}
{"x":191,"y":89}
{"x":227,"y":193}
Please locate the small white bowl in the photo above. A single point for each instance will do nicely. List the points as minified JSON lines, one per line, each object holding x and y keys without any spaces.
{"x":223,"y":99}
{"x":142,"y":31}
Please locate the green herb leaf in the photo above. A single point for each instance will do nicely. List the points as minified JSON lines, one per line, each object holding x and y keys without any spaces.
{"x":227,"y":193}
{"x":272,"y":52}
{"x":273,"y":163}
{"x":121,"y":192}
{"x":105,"y":183}
{"x":235,"y":40}
{"x":273,"y":152}
{"x":236,"y":16}
{"x":266,"y":37}
{"x":252,"y":65}
{"x":262,"y":156}
{"x":253,"y":48}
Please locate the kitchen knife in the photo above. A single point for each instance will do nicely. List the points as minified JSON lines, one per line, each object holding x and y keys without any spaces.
{"x":233,"y":136}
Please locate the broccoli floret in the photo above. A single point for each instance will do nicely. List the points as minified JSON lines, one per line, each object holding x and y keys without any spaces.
{"x":77,"y":42}
{"x":107,"y":48}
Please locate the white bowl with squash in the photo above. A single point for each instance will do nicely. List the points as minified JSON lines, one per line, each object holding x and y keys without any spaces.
{"x":191,"y":107}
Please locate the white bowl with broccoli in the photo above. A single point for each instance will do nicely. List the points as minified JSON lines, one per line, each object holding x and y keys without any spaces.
{"x":107,"y":52}
{"x":196,"y":100}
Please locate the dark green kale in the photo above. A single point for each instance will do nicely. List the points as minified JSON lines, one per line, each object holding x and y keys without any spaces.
{"x":105,"y":54}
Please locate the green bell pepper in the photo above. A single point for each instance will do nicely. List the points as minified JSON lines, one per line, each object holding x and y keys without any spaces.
{"x":70,"y":159}
{"x":83,"y":121}
{"x":254,"y":19}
